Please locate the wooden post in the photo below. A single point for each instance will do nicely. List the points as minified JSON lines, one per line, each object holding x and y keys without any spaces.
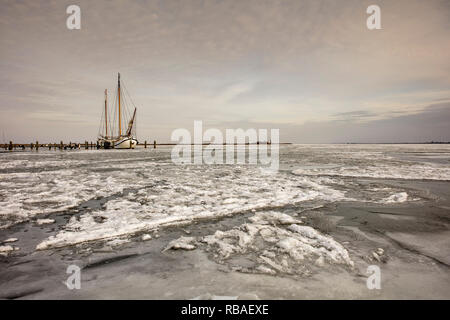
{"x":145,"y":144}
{"x":49,"y":146}
{"x":154,"y":144}
{"x":61,"y":145}
{"x":37,"y":145}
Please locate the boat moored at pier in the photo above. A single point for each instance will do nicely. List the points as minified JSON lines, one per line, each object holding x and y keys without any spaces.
{"x":125,"y":139}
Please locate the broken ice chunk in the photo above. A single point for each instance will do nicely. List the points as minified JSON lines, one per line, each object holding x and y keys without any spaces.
{"x":185,"y":243}
{"x":44,"y":221}
{"x":146,"y":237}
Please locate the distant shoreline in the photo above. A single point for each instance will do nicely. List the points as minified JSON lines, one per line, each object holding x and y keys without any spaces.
{"x":92,"y":145}
{"x":432,"y":142}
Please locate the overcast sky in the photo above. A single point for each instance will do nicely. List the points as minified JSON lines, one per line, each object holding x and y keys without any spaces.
{"x":310,"y":68}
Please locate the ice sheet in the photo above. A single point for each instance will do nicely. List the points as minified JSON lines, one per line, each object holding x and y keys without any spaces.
{"x":144,"y":190}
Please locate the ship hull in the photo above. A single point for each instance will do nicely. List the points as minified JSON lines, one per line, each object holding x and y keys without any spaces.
{"x":125,"y":143}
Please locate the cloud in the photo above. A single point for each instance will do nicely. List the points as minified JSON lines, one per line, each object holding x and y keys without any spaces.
{"x":284,"y":62}
{"x":233,"y":91}
{"x":353,"y":115}
{"x":429,"y":125}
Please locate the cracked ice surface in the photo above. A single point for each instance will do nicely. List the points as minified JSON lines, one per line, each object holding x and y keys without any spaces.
{"x":143,"y":190}
{"x":188,"y":194}
{"x":274,"y":243}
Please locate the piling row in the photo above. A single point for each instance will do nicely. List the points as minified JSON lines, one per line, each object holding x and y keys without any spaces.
{"x":58,"y":146}
{"x":87,"y":145}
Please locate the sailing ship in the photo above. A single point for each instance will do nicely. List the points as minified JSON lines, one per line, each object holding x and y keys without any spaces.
{"x":125,"y":138}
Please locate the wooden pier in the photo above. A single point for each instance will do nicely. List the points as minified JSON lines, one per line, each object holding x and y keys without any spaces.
{"x":89,"y":145}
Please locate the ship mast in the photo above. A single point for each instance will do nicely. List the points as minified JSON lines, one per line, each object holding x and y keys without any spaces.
{"x":106,"y":113}
{"x":120,"y":117}
{"x":130,"y":124}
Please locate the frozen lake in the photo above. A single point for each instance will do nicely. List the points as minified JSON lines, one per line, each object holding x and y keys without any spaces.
{"x":114,"y":198}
